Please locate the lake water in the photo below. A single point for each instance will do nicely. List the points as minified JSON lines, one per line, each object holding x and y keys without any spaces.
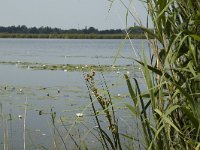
{"x":20,"y":85}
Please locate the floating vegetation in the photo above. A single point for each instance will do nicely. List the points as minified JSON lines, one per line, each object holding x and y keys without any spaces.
{"x":79,"y":114}
{"x":103,"y":57}
{"x":19,"y":63}
{"x":70,"y":67}
{"x":20,"y":116}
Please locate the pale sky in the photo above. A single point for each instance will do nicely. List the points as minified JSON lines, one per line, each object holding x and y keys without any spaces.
{"x":67,"y":14}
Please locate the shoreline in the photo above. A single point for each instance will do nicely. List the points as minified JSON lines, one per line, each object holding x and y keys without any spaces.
{"x":71,"y":36}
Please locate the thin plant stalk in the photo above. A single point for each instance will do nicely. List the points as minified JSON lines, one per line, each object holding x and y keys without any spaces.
{"x":24,"y":133}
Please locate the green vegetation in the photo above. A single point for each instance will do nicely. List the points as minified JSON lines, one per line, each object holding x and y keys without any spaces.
{"x":173,"y":80}
{"x":168,"y":111}
{"x":56,"y":33}
{"x":48,"y":30}
{"x":111,"y":139}
{"x":70,"y":67}
{"x":71,"y":36}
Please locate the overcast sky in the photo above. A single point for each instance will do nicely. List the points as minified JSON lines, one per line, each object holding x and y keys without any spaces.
{"x":67,"y":14}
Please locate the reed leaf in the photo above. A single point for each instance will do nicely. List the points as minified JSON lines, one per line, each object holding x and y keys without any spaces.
{"x":195,"y":37}
{"x":165,"y":8}
{"x":131,"y":108}
{"x":191,"y":116}
{"x":132,"y":93}
{"x":166,"y":119}
{"x":198,"y":147}
{"x":149,"y":32}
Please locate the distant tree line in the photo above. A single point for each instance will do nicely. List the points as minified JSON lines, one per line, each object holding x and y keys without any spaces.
{"x":48,"y":30}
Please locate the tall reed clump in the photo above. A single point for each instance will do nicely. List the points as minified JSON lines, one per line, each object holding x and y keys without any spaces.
{"x":167,"y":112}
{"x":172,"y":77}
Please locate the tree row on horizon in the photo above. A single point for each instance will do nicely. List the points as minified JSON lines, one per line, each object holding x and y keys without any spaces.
{"x":48,"y":30}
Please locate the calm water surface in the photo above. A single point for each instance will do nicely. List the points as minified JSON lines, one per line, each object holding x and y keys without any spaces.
{"x":73,"y":97}
{"x":58,"y":51}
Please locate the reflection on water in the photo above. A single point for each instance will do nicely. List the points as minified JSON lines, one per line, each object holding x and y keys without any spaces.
{"x":57,"y":92}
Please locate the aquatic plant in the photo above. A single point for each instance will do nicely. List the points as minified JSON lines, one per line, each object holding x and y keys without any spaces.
{"x":70,"y":67}
{"x":109,"y":141}
{"x":172,"y":77}
{"x":168,"y":109}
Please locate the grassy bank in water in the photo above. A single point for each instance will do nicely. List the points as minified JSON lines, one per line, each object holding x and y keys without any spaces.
{"x":70,"y":67}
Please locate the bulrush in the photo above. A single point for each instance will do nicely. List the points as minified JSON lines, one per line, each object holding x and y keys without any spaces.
{"x":104,"y":103}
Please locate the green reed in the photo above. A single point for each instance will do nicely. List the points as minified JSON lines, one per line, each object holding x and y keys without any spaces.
{"x":168,"y":111}
{"x":172,"y":77}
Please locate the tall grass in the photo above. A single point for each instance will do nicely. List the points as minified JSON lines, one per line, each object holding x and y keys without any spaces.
{"x":169,"y":108}
{"x":172,"y":77}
